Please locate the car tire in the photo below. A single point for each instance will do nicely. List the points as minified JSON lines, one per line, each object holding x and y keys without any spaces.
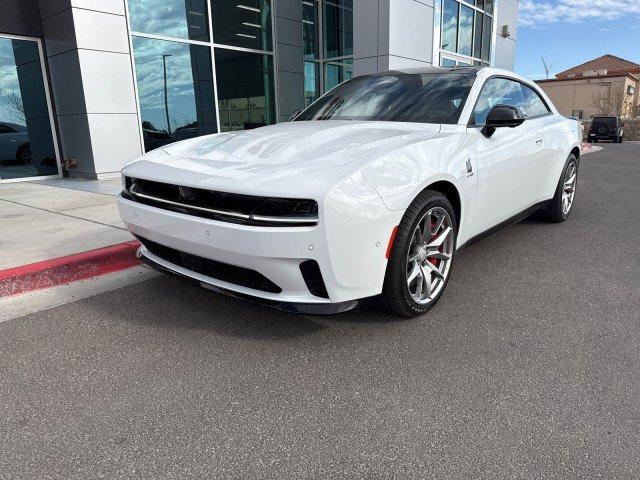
{"x":403,"y":296}
{"x":556,"y":210}
{"x":24,"y":155}
{"x":620,"y":139}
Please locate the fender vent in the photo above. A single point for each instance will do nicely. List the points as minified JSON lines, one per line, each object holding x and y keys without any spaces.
{"x":313,"y":278}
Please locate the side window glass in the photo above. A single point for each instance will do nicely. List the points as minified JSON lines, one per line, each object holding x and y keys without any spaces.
{"x":498,"y":91}
{"x":534,"y":104}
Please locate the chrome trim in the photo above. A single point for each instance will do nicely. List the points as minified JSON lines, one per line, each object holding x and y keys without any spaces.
{"x":194,"y":207}
{"x":259,"y":218}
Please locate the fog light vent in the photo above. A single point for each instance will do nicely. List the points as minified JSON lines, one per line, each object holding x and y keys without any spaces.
{"x":313,"y":278}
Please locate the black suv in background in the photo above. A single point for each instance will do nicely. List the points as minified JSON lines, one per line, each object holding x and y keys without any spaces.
{"x":606,"y":128}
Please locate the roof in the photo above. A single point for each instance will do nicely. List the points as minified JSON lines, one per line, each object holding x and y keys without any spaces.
{"x":589,"y":78}
{"x":422,"y":70}
{"x":608,"y":63}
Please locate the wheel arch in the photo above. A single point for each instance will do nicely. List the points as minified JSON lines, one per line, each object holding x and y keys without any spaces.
{"x":449,"y":190}
{"x":576,"y":152}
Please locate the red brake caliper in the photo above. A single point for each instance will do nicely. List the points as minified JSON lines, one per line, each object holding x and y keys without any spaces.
{"x":434,"y":261}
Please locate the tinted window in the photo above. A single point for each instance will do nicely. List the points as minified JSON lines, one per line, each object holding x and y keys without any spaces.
{"x":534,"y":106}
{"x":338,"y":28}
{"x":245,"y":23}
{"x":28,"y":150}
{"x":449,"y":25}
{"x":175,"y":88}
{"x":245,"y":89}
{"x":498,"y":91}
{"x":609,"y":121}
{"x":174,"y":18}
{"x":426,"y":98}
{"x":465,"y":35}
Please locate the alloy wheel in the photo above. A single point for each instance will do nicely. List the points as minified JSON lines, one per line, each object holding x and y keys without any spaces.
{"x":429,"y":256}
{"x":569,"y":188}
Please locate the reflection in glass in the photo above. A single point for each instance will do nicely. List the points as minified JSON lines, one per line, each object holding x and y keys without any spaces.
{"x":26,"y":142}
{"x":336,"y":73}
{"x":242,"y":23}
{"x":245,"y":89}
{"x":449,"y":25}
{"x":311,"y":82}
{"x":175,"y":88}
{"x":447,"y":62}
{"x":488,"y":6}
{"x":173,"y":18}
{"x":395,"y":97}
{"x":486,"y":38}
{"x":338,"y":28}
{"x":310,"y":29}
{"x":465,"y":38}
{"x":477,"y":35}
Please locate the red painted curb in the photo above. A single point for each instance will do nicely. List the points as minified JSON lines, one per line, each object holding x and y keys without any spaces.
{"x":71,"y":268}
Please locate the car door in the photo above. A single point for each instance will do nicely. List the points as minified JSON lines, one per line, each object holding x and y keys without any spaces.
{"x":507,"y":160}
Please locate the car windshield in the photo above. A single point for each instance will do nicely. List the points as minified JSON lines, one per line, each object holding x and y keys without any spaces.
{"x":396,"y":97}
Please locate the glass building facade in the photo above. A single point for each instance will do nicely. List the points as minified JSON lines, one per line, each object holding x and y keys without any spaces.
{"x":466,"y":32}
{"x":202,"y":66}
{"x":92,"y":85}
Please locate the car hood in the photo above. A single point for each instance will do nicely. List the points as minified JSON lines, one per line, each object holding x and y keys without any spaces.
{"x":285,"y":159}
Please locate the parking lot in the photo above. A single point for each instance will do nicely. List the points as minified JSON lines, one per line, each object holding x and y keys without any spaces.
{"x":528,"y":367}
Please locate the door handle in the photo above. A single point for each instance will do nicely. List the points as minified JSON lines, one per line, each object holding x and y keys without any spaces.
{"x":539,"y":142}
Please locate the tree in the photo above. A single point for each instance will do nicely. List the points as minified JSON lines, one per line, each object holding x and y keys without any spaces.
{"x":13,"y":100}
{"x":614,"y":104}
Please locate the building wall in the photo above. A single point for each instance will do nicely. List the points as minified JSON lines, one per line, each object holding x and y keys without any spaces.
{"x":505,"y":47}
{"x":89,"y":58}
{"x":578,"y":95}
{"x":289,"y":57}
{"x":20,"y":17}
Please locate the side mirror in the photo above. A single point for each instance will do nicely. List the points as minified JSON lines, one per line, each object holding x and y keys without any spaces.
{"x":293,"y":116}
{"x":502,"y":116}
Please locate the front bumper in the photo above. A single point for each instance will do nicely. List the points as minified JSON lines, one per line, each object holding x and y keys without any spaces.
{"x":208,"y":283}
{"x":349,"y":274}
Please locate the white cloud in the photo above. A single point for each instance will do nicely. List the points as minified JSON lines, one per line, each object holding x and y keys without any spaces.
{"x":542,"y":12}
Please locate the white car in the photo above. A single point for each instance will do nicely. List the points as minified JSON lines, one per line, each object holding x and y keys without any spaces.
{"x":369,"y":192}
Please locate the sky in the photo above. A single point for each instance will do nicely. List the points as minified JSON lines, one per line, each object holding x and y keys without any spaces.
{"x":570,"y":32}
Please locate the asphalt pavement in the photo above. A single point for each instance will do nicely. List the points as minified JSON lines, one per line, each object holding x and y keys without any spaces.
{"x":528,"y":367}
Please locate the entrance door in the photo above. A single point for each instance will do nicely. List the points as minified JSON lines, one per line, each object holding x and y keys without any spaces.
{"x":27,"y":145}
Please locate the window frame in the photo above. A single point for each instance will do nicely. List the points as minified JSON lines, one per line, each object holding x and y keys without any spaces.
{"x":440,"y":53}
{"x":47,"y":94}
{"x":471,"y":123}
{"x":214,"y":46}
{"x":322,"y":61}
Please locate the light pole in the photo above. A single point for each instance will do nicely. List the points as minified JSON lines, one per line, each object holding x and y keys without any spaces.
{"x":166,"y":103}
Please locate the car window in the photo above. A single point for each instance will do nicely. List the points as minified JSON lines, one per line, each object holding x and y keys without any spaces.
{"x":498,"y":91}
{"x":534,"y":106}
{"x":395,"y":97}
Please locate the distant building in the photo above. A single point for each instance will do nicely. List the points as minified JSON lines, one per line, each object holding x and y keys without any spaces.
{"x":607,"y":85}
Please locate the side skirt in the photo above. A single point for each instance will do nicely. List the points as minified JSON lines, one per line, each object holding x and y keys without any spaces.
{"x":502,"y":225}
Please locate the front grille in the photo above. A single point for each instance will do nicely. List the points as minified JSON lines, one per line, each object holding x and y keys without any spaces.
{"x":313,"y":278}
{"x":244,"y":277}
{"x":222,"y":206}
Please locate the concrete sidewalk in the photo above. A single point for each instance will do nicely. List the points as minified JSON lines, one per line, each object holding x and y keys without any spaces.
{"x":46,"y":219}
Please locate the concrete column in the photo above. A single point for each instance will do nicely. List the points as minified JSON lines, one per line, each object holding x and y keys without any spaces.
{"x":87,"y":48}
{"x":289,"y":57}
{"x":504,"y":48}
{"x":392,"y":34}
